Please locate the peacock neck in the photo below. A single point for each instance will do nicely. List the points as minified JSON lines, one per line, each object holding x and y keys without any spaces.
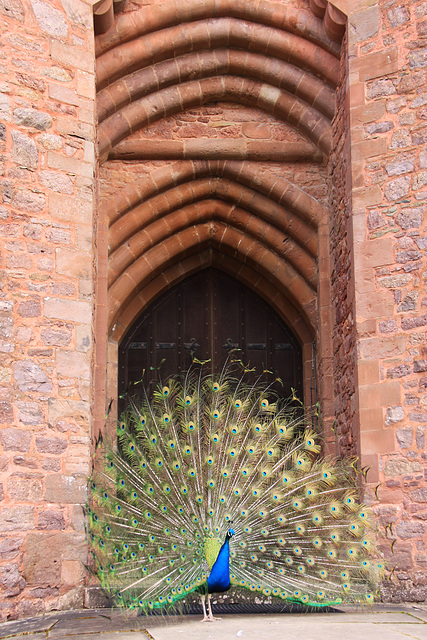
{"x":219,"y":577}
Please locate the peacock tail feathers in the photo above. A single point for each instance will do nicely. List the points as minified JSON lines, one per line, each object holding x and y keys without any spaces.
{"x":205,"y":453}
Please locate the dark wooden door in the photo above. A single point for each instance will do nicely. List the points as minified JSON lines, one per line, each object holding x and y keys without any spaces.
{"x":206,"y":316}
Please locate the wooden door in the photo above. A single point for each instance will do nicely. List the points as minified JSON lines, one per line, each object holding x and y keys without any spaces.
{"x":206,"y":316}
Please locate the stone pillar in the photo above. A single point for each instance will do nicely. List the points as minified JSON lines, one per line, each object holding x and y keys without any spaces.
{"x":46,"y":300}
{"x":387,"y":98}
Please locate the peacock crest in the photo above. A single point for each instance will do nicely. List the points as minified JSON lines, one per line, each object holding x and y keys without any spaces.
{"x":216,"y":482}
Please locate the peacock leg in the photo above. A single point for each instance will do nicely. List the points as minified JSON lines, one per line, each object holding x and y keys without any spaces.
{"x":202,"y":598}
{"x":211,"y":617}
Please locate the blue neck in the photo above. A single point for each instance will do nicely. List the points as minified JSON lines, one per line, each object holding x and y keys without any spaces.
{"x":219,"y":577}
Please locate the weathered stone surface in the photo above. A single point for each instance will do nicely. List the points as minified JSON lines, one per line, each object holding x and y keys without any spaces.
{"x":45,"y":554}
{"x":409,"y":302}
{"x":58,"y":182}
{"x":10,"y":547}
{"x":6,"y":412}
{"x":57,"y":73}
{"x":51,"y":520}
{"x":420,"y":437}
{"x":50,"y":141}
{"x":30,"y":462}
{"x":26,"y":200}
{"x":31,"y":377}
{"x":379,"y":127}
{"x":400,"y":466}
{"x":419,"y":495}
{"x":366,"y":26}
{"x":398,"y":188}
{"x":29,"y":308}
{"x":56,"y":337}
{"x":25,"y":487}
{"x":26,"y":80}
{"x":78,"y":13}
{"x":413,"y":323}
{"x":400,"y":165}
{"x":411,"y":81}
{"x":52,"y":444}
{"x":12,"y":9}
{"x":15,"y":440}
{"x":394,"y":282}
{"x":72,"y":364}
{"x":418,"y":59}
{"x":5,"y":110}
{"x":66,"y":489}
{"x":420,"y":365}
{"x":410,"y":218}
{"x":19,"y":518}
{"x":380,"y":88}
{"x":49,"y":19}
{"x":398,"y":16}
{"x":24,"y":117}
{"x":24,"y":150}
{"x":30,"y":413}
{"x":10,"y":579}
{"x":407,"y":530}
{"x":393,"y":415}
{"x":404,"y":438}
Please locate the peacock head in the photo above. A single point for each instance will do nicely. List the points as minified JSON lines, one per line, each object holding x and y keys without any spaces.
{"x":230,"y":533}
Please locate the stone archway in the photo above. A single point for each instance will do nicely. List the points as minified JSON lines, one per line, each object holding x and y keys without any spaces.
{"x":224,"y":200}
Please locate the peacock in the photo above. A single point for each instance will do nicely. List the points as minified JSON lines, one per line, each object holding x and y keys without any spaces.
{"x":215,"y":482}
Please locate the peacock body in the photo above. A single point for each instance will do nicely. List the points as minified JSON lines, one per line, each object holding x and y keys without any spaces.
{"x":214,"y":484}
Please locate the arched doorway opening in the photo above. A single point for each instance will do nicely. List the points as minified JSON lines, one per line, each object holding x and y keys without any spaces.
{"x":210,"y":315}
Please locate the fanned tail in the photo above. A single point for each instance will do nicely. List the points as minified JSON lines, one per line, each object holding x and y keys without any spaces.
{"x":209,"y":451}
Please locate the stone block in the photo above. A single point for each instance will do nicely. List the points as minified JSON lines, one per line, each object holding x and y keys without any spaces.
{"x":396,"y":467}
{"x":25,"y":487}
{"x":69,"y":165}
{"x":29,"y":308}
{"x":69,"y":310}
{"x":74,"y":263}
{"x":51,"y":520}
{"x":364,"y":24}
{"x":406,"y":530}
{"x":31,"y":377}
{"x":68,"y":209}
{"x":49,"y":19}
{"x":24,"y":151}
{"x":60,"y":408}
{"x":58,"y":182}
{"x":382,"y":347}
{"x":29,"y":413}
{"x":39,"y":120}
{"x":26,"y":200}
{"x":12,"y":9}
{"x":380,"y":63}
{"x":404,"y":438}
{"x":6,"y":412}
{"x":45,"y":553}
{"x":57,"y":337}
{"x":72,"y":364}
{"x":10,"y":547}
{"x":393,"y":415}
{"x":51,"y":444}
{"x":68,"y":54}
{"x":15,"y":440}
{"x":63,"y":489}
{"x":18,"y":518}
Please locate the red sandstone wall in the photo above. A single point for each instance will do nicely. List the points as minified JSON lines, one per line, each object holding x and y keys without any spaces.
{"x":388,"y":94}
{"x":46,"y":187}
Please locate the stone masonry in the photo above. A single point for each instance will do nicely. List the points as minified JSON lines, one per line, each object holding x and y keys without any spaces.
{"x":46,"y":300}
{"x":282,"y":142}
